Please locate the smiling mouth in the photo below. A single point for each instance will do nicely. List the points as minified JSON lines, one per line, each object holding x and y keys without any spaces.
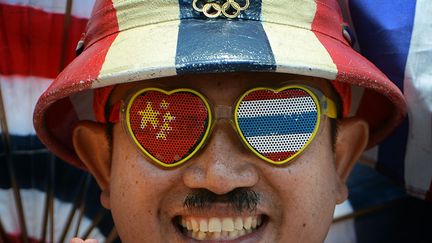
{"x":219,"y":228}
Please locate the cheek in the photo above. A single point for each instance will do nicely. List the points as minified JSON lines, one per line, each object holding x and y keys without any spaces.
{"x":137,"y":190}
{"x":307,"y":193}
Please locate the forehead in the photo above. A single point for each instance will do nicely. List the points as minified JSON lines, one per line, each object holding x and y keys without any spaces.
{"x":223,"y":88}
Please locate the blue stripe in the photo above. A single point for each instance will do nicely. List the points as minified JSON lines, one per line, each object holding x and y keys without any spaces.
{"x":221,"y":45}
{"x":391,"y":153}
{"x":384,"y":30}
{"x":32,"y":171}
{"x":278,"y":125}
{"x":384,"y":36}
{"x":18,"y":143}
{"x":32,"y":168}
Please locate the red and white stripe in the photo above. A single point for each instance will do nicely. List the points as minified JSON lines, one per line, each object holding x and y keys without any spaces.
{"x":31,"y":47}
{"x":80,"y":8}
{"x":20,"y":94}
{"x":248,"y":108}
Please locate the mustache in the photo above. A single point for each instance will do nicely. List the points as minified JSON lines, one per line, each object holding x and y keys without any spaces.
{"x":240,"y":199}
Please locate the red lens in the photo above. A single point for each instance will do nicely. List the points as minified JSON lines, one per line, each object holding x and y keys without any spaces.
{"x":168,"y":127}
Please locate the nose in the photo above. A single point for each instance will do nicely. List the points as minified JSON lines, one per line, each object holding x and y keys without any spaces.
{"x":223,"y":164}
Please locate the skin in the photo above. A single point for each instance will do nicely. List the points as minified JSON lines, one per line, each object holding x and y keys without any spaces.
{"x":298,"y":199}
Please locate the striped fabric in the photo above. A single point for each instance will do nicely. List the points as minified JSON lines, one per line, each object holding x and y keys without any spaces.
{"x":277,"y":125}
{"x":187,"y":44}
{"x":398,"y":42}
{"x":28,"y":67}
{"x":34,"y":47}
{"x":80,"y":9}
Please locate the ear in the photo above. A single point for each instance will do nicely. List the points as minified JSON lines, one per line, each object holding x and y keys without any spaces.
{"x":351,"y":140}
{"x":92,"y":147}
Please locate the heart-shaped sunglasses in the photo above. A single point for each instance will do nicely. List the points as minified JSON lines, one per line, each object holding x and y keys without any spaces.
{"x":275,"y":124}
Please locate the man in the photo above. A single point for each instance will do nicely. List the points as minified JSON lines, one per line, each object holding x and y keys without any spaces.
{"x":218,"y":120}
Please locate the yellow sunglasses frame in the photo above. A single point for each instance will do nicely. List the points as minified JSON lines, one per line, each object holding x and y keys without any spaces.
{"x":330,"y":111}
{"x":207,"y":130}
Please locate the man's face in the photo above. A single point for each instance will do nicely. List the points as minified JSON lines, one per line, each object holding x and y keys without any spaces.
{"x":295,"y":201}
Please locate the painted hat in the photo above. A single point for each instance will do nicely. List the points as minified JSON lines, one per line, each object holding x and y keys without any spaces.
{"x":136,"y":40}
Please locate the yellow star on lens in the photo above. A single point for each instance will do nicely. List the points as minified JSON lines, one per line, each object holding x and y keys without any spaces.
{"x":165,"y":128}
{"x":164,"y":104}
{"x":149,"y":115}
{"x":161,"y":135}
{"x":168,"y":117}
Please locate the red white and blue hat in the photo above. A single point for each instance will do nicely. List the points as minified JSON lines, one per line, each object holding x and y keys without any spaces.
{"x":136,"y":40}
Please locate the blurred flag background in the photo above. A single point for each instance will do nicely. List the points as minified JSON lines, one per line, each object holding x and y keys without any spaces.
{"x":43,"y":199}
{"x":397,"y":37}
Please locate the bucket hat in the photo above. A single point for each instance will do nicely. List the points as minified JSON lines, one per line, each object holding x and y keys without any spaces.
{"x":135,"y":40}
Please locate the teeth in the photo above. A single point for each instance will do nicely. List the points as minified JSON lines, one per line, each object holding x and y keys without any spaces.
{"x":247,"y":224}
{"x":201,"y":235}
{"x":195,"y":225}
{"x":227,"y":224}
{"x":259,"y":221}
{"x":214,"y":225}
{"x":216,"y":235}
{"x":203,"y":227}
{"x":214,"y":228}
{"x":238,"y":223}
{"x":188,"y":225}
{"x":233,"y":234}
{"x":254,"y":223}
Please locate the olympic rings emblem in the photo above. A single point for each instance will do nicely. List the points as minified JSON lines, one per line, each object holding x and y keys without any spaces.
{"x":215,"y":8}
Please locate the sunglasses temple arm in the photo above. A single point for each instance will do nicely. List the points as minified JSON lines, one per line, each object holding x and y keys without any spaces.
{"x":330,"y":108}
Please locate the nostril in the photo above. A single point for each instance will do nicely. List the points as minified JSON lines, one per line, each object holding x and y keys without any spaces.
{"x":220,"y":177}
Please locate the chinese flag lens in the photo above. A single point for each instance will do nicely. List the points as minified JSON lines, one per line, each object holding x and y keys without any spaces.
{"x":277,"y":125}
{"x":168,"y":127}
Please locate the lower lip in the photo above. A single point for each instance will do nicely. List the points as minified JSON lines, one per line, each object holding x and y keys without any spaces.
{"x":251,"y":237}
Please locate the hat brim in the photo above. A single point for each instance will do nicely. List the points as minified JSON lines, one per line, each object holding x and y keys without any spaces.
{"x":199,"y":46}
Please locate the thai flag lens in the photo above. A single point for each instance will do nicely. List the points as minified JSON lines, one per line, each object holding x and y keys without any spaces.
{"x":169,"y":127}
{"x":277,"y":125}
